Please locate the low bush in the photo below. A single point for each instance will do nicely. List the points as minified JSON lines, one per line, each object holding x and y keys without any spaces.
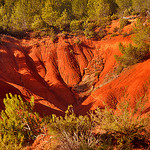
{"x":19,"y":125}
{"x":123,"y":23}
{"x":138,"y":52}
{"x":124,"y":34}
{"x":115,"y":29}
{"x":74,"y":132}
{"x":125,"y":126}
{"x":121,"y":128}
{"x":75,"y":25}
{"x":131,"y":55}
{"x":114,"y":17}
{"x":102,"y":33}
{"x":113,"y":35}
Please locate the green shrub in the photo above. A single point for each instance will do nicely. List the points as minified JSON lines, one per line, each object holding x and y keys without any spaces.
{"x":126,"y":13}
{"x":75,"y":25}
{"x":124,"y":34}
{"x":113,"y":35}
{"x":115,"y":29}
{"x":89,"y":33}
{"x":100,"y":34}
{"x":126,"y":127}
{"x":74,"y":132}
{"x":63,"y":22}
{"x":38,"y":23}
{"x":19,"y":125}
{"x":133,"y":54}
{"x":114,"y":17}
{"x":123,"y":23}
{"x":103,"y":22}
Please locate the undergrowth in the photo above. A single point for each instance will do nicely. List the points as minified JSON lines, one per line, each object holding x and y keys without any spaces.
{"x":123,"y":128}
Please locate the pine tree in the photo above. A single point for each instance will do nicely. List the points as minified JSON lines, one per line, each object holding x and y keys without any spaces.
{"x":79,"y":8}
{"x":51,"y":12}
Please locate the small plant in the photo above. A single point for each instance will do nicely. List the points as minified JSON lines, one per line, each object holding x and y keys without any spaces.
{"x":89,"y":29}
{"x":125,"y":34}
{"x":115,"y":29}
{"x":74,"y":132}
{"x":123,"y":23}
{"x":101,"y":34}
{"x":114,"y":17}
{"x":89,"y":33}
{"x":113,"y":35}
{"x":19,"y":124}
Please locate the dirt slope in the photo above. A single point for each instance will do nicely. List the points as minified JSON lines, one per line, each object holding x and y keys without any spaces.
{"x":73,"y":70}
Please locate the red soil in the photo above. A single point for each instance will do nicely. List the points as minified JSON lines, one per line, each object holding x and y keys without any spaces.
{"x":50,"y":71}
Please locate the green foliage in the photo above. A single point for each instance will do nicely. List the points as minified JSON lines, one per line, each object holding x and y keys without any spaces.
{"x":101,"y":34}
{"x":114,"y":34}
{"x":121,"y":128}
{"x":79,"y":8}
{"x":124,"y":4}
{"x":37,"y":23}
{"x":123,"y":23}
{"x":63,"y":21}
{"x":142,"y":34}
{"x":23,"y":13}
{"x":50,"y":13}
{"x":125,"y":34}
{"x":126,"y":126}
{"x":74,"y":132}
{"x":140,"y":5}
{"x":114,"y":17}
{"x":19,"y":16}
{"x":75,"y":25}
{"x":18,"y":124}
{"x":98,"y":8}
{"x":133,"y":54}
{"x":89,"y":29}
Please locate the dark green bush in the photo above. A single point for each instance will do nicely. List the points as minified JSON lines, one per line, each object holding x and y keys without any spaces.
{"x":133,"y":54}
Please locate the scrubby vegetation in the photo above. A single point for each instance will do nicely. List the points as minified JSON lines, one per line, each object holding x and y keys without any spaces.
{"x":20,"y":16}
{"x":122,"y":128}
{"x":137,"y":52}
{"x":19,"y":125}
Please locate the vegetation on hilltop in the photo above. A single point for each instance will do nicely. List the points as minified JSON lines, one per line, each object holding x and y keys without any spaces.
{"x":19,"y":16}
